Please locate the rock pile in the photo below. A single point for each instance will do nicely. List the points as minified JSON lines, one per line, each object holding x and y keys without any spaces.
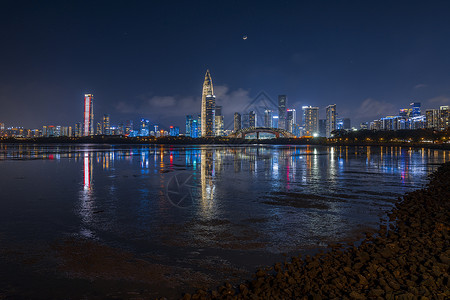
{"x":408,"y":259}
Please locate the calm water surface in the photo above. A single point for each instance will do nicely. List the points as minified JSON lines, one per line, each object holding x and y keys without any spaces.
{"x":194,"y":215}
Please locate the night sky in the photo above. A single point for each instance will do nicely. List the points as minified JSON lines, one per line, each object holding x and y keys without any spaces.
{"x":148,"y":58}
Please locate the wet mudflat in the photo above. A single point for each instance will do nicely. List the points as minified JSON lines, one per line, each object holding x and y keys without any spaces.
{"x":108,"y":221}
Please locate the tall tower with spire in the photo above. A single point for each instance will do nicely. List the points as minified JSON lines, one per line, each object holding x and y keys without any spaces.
{"x":208,"y":107}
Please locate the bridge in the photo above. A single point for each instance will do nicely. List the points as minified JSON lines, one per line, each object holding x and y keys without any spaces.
{"x":246,"y":131}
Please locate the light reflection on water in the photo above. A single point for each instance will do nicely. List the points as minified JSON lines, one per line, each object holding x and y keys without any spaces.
{"x":259,"y":198}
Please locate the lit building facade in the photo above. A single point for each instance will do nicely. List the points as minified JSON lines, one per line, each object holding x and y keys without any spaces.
{"x":208,"y":107}
{"x":145,"y":128}
{"x":432,"y":118}
{"x":322,"y":127}
{"x":189,"y":121}
{"x":310,"y":120}
{"x":268,"y":116}
{"x":330,"y":120}
{"x":237,"y":121}
{"x":219,"y":126}
{"x":252,"y":119}
{"x":444,"y":117}
{"x":291,"y":120}
{"x":88,"y":127}
{"x":106,"y":125}
{"x":415,"y":109}
{"x":282,"y":102}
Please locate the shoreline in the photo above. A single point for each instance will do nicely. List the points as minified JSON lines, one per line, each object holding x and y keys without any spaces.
{"x":407,"y":259}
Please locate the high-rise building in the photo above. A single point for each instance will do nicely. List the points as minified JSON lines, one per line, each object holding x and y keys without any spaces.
{"x":282,"y":102}
{"x":189,"y":121}
{"x":331,"y":120}
{"x":310,"y":120}
{"x":415,"y":109}
{"x":268,"y":116}
{"x":432,"y":118}
{"x":208,"y":107}
{"x":174,"y":131}
{"x":275,"y":121}
{"x":195,"y":130}
{"x":322,"y":127}
{"x":129,"y":127}
{"x":99,"y":128}
{"x":2,"y":126}
{"x":237,"y":121}
{"x":145,"y":128}
{"x":106,"y":125}
{"x":88,"y":115}
{"x":78,"y":132}
{"x":252,"y":119}
{"x":405,"y":113}
{"x":219,"y":130}
{"x":291,"y":119}
{"x":364,"y":126}
{"x":444,"y":117}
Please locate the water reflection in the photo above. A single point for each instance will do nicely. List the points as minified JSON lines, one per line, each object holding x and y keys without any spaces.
{"x":302,"y":193}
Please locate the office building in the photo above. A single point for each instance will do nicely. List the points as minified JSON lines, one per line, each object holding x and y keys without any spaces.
{"x":219,"y":126}
{"x":78,"y":132}
{"x":189,"y":121}
{"x":252,"y":119}
{"x":129,"y":128}
{"x":291,"y":119}
{"x":322,"y":127}
{"x":282,"y":102}
{"x":106,"y":125}
{"x":444,"y":117}
{"x":415,"y":109}
{"x":174,"y":131}
{"x":268,"y":118}
{"x":275,"y":122}
{"x":310,"y":120}
{"x":330,"y":120}
{"x":88,"y":128}
{"x":432,"y":118}
{"x":237,"y":122}
{"x":208,"y":107}
{"x":144,"y":130}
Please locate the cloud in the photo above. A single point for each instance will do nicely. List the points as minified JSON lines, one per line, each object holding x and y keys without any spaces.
{"x":420,"y":86}
{"x":373,"y":109}
{"x":439,"y":100}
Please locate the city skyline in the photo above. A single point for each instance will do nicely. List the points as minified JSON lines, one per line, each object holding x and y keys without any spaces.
{"x":368,"y":59}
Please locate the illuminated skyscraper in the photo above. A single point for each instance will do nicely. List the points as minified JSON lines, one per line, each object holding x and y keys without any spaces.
{"x":129,"y":127}
{"x":208,"y":107}
{"x":310,"y":120}
{"x":106,"y":125}
{"x":189,"y":120}
{"x":268,"y":115}
{"x":291,"y":119}
{"x":444,"y":117}
{"x":88,"y":115}
{"x":237,"y":121}
{"x":432,"y":118}
{"x":219,"y":127}
{"x":145,"y":127}
{"x":330,"y":120}
{"x":415,"y":109}
{"x":282,"y":101}
{"x":78,"y":129}
{"x":252,"y":119}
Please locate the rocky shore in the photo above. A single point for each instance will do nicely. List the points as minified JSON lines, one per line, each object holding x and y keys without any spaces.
{"x":408,"y":258}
